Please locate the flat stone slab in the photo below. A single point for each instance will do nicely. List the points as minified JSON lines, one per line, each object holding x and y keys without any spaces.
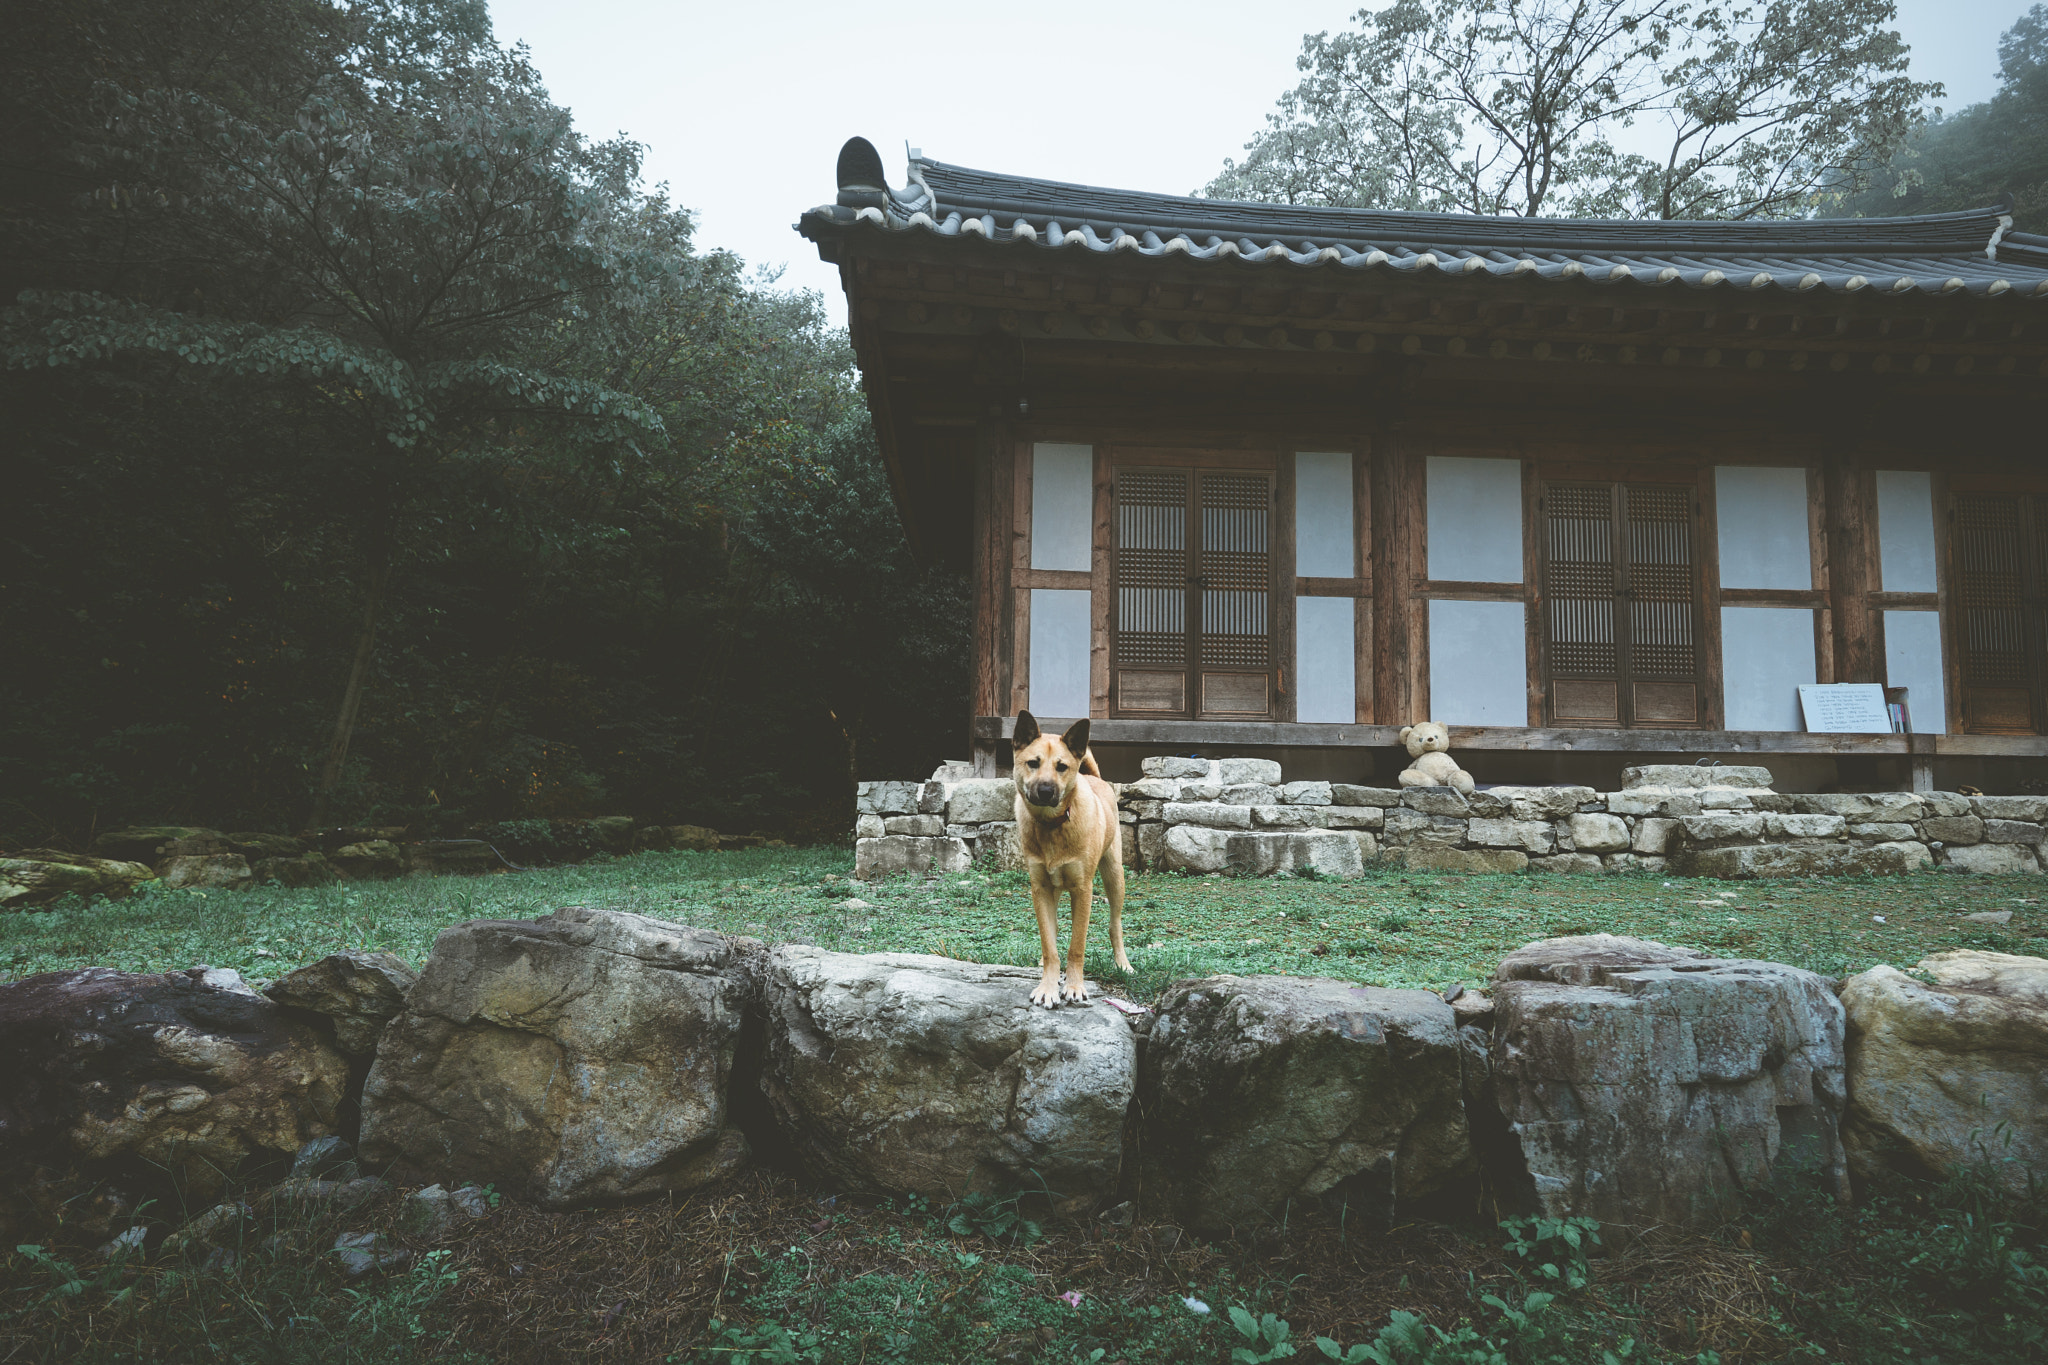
{"x":901,"y":1072}
{"x":579,"y":1057}
{"x":1261,"y":1089}
{"x":1645,"y":1084}
{"x":1688,"y":777}
{"x":1951,"y":1071}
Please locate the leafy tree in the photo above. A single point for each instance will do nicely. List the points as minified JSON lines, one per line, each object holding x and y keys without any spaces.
{"x":1637,"y":108}
{"x":339,"y":367}
{"x":1981,"y":154}
{"x":393,"y":228}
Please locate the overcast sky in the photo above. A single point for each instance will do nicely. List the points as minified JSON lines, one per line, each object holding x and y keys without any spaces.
{"x":743,"y":107}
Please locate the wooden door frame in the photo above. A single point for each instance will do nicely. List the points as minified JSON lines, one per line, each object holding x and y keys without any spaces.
{"x":1278,"y":465}
{"x":1703,"y":555}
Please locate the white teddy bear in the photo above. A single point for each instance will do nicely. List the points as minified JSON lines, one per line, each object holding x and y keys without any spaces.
{"x":1429,"y":745}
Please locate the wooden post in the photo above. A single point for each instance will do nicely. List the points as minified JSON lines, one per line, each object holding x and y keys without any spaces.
{"x":1850,"y":560}
{"x":1401,"y":664}
{"x":994,"y":485}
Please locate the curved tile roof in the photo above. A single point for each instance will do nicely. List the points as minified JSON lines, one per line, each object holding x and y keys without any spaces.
{"x":1974,"y":252}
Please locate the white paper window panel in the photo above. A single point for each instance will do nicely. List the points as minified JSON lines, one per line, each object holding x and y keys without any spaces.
{"x":1762,"y":517}
{"x":1475,"y":520}
{"x":1059,"y":652}
{"x":1905,"y":530}
{"x":1478,"y":664}
{"x":1062,"y":507}
{"x":1766,"y":652}
{"x":1325,"y":666}
{"x":1912,"y":660}
{"x":1324,"y":520}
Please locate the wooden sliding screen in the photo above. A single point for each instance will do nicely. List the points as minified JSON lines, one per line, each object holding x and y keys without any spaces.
{"x":1621,"y":617}
{"x":2001,"y":554}
{"x":1192,"y":621}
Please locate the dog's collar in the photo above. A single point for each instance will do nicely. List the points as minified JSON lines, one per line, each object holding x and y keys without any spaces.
{"x":1065,"y":815}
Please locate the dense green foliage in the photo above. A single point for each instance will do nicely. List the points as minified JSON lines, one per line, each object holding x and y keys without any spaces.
{"x":380,"y":444}
{"x":1983,"y":153}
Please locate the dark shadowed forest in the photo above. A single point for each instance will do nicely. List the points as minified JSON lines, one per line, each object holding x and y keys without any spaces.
{"x":381,"y":449}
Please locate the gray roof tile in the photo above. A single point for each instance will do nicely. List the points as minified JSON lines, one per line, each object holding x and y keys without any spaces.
{"x":1973,"y":252}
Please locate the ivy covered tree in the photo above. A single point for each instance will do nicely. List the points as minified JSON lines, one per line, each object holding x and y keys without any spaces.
{"x":1588,"y":108}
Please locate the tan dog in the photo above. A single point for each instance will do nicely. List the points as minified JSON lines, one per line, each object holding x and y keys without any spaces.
{"x":1066,"y":825}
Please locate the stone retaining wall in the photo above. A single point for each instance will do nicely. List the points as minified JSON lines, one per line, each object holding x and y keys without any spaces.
{"x":1239,"y":815}
{"x":598,"y":1055}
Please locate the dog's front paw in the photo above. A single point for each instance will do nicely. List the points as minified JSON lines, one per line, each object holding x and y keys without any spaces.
{"x":1075,"y":990}
{"x":1048,"y":993}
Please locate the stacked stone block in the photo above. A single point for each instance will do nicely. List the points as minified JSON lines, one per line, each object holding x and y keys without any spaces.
{"x":1237,"y":815}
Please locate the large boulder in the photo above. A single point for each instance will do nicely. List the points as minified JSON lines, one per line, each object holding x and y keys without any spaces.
{"x":1793,"y":860}
{"x":356,"y":993}
{"x":901,"y":1072}
{"x":894,"y":854}
{"x":1645,"y":1084}
{"x":310,"y":869}
{"x":1263,"y":1089}
{"x":186,"y":1074}
{"x":209,"y":871}
{"x":578,"y":1057}
{"x":1194,"y":848}
{"x":1674,"y":777}
{"x":256,"y":846}
{"x":369,"y":860}
{"x":1952,"y":1070}
{"x":981,"y":801}
{"x":37,"y":876}
{"x":142,"y":843}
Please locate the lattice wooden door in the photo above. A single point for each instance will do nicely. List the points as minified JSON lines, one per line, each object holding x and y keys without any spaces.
{"x":2000,"y":561}
{"x":1621,"y":605}
{"x":1192,"y":634}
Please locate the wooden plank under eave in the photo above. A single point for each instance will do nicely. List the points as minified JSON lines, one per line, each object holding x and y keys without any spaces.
{"x":1280,"y":577}
{"x":1473,"y":739}
{"x":1362,"y":671}
{"x":1533,"y":553}
{"x":1849,"y":525}
{"x":991,"y":565}
{"x":1099,"y":594}
{"x":1817,"y":549}
{"x":1553,"y":740}
{"x":1020,"y":563}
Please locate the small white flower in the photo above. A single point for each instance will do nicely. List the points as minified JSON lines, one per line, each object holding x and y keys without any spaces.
{"x":1195,"y":1305}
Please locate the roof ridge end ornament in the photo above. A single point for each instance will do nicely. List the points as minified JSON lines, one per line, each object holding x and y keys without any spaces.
{"x":913,"y":174}
{"x":861,"y":179}
{"x":1998,"y":233}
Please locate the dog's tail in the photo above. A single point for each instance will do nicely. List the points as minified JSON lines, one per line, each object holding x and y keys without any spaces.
{"x":1088,"y":765}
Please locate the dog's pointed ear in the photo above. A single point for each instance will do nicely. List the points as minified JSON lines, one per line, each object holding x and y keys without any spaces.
{"x":1076,"y":738}
{"x":1027,"y":729}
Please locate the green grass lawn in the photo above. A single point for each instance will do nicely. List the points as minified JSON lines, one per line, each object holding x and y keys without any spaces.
{"x":1946,"y":1275}
{"x":1388,"y":928}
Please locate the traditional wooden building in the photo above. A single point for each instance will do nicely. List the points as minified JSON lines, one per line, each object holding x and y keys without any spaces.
{"x":1258,"y":478}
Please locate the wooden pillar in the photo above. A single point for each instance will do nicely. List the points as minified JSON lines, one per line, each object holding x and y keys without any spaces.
{"x":1852,"y":569}
{"x":994,"y":482}
{"x":1400,"y":661}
